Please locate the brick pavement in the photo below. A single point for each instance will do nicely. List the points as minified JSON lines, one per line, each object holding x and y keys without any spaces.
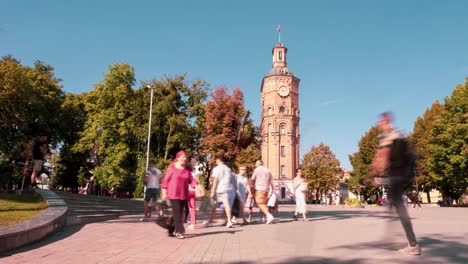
{"x":334,"y":235}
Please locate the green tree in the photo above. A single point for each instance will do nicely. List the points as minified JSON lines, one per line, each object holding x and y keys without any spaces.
{"x":71,"y":164}
{"x":108,"y":135}
{"x":420,"y":138}
{"x":321,"y":169}
{"x":177,"y":119}
{"x":361,"y":180}
{"x":30,"y":106}
{"x":448,"y":163}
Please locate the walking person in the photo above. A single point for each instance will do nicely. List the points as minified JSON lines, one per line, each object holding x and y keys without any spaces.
{"x":394,"y":158}
{"x":192,"y":200}
{"x":264,"y":187}
{"x":38,"y":152}
{"x":416,"y":200}
{"x":152,"y":180}
{"x":300,"y":189}
{"x":90,"y":186}
{"x":242,"y":186}
{"x":222,"y":190}
{"x":175,"y":189}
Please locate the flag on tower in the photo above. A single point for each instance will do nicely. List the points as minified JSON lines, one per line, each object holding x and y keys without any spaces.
{"x":279,"y":28}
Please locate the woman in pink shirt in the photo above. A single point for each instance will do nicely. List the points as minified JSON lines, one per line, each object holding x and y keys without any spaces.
{"x":175,"y":183}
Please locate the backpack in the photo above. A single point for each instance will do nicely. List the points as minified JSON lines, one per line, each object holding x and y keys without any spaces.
{"x":407,"y":159}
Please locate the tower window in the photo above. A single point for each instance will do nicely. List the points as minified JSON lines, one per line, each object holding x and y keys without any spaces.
{"x":283,"y":130}
{"x":283,"y":153}
{"x":283,"y":171}
{"x":280,"y":55}
{"x":282,"y":109}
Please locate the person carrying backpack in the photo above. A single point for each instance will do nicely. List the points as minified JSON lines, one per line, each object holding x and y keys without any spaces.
{"x":396,"y":159}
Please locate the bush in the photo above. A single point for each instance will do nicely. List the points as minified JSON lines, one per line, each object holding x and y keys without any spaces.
{"x":353,"y":202}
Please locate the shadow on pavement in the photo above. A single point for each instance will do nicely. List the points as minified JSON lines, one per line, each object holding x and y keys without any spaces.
{"x":339,"y":215}
{"x":232,"y":232}
{"x":438,"y":246}
{"x":306,"y":260}
{"x":64,"y":233}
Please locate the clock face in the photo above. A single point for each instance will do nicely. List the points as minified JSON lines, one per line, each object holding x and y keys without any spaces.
{"x":283,"y":91}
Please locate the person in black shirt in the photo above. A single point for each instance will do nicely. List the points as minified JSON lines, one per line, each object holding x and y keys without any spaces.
{"x":38,"y":152}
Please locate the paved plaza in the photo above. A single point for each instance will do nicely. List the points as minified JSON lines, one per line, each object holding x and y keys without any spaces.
{"x":334,"y":235}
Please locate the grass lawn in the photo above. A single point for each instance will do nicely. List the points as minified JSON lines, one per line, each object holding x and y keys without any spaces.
{"x":16,"y":208}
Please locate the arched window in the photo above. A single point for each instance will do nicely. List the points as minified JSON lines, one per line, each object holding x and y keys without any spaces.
{"x":280,"y":55}
{"x":282,"y":109}
{"x":270,"y":110}
{"x":283,"y":130}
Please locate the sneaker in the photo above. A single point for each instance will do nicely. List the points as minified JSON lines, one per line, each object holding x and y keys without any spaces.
{"x":229,"y":225}
{"x":305,"y":220}
{"x":191,"y":227}
{"x":207,"y":224}
{"x":411,"y":250}
{"x":179,"y":236}
{"x":144,"y":219}
{"x":234,"y":221}
{"x":270,"y":218}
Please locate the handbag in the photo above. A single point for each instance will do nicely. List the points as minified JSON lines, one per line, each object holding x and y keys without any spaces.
{"x":199,"y":191}
{"x":165,"y":220}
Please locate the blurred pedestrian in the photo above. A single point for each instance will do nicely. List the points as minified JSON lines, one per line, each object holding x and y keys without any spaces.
{"x":152,"y":193}
{"x":300,"y":188}
{"x":264,"y":187}
{"x":394,"y":158}
{"x":192,"y":200}
{"x":38,"y":152}
{"x":223,"y":190}
{"x":242,"y":186}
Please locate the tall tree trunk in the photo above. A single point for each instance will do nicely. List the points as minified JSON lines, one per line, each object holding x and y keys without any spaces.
{"x":428,"y":197}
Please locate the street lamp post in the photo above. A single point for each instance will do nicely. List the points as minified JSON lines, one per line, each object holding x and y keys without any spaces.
{"x":149,"y":126}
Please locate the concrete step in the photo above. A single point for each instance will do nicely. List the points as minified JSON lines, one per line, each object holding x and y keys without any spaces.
{"x":85,"y":219}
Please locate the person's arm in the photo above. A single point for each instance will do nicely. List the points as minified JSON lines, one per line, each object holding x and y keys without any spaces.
{"x":213,"y":187}
{"x":165,"y":181}
{"x":295,"y":184}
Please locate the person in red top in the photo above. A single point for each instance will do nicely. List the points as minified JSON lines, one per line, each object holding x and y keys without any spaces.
{"x":175,"y":189}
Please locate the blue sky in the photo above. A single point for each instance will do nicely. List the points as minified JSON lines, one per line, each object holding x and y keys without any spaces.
{"x":355,"y":59}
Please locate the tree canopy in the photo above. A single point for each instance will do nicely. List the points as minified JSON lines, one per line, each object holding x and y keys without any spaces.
{"x":322,"y":169}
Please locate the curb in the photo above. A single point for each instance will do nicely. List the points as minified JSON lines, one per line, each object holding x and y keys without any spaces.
{"x":47,"y":223}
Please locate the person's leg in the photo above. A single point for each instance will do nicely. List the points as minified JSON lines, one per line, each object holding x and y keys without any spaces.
{"x":177,"y":210}
{"x":193,"y":209}
{"x":397,"y":202}
{"x":227,"y":209}
{"x":186,"y":212}
{"x":145,"y":208}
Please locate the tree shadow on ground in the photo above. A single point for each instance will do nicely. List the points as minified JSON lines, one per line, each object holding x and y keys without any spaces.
{"x":439,"y":247}
{"x":231,"y":232}
{"x":62,"y":234}
{"x":319,"y":260}
{"x":340,"y":215}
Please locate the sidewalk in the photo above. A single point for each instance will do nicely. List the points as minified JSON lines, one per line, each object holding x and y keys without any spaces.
{"x":333,"y":235}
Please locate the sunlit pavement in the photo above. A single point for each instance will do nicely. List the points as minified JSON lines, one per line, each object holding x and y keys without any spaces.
{"x":333,"y":235}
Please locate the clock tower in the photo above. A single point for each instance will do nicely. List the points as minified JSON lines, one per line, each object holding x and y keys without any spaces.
{"x":280,"y":122}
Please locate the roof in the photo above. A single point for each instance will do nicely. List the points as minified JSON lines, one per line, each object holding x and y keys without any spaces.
{"x":279,"y":71}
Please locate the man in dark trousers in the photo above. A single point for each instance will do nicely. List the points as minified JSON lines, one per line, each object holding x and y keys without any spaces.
{"x":38,"y":152}
{"x":394,"y":159}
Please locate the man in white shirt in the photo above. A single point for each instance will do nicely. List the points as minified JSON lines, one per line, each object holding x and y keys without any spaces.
{"x":152,"y":179}
{"x":224,"y":188}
